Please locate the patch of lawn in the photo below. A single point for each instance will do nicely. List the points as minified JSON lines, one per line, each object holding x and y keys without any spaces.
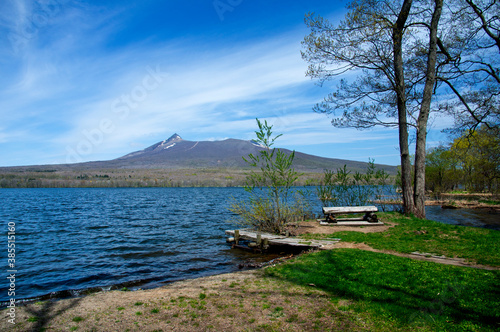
{"x":412,"y":234}
{"x":406,"y":294}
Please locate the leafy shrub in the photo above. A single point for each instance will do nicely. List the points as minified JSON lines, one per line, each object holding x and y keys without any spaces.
{"x":272,"y":202}
{"x":340,"y":188}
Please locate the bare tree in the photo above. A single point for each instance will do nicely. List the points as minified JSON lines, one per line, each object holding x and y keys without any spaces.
{"x":470,"y":68}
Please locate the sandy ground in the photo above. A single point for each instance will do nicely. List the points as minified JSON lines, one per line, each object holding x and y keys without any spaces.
{"x":313,"y":227}
{"x":241,"y":301}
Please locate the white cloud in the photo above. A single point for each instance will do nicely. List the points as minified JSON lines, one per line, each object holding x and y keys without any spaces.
{"x":193,"y":95}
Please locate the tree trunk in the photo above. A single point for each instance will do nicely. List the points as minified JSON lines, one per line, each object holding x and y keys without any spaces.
{"x":423,"y":117}
{"x":397,"y":38}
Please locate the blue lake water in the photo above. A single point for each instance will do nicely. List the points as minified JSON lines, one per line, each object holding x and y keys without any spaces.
{"x":484,"y":218}
{"x":67,"y":239}
{"x":70,"y":239}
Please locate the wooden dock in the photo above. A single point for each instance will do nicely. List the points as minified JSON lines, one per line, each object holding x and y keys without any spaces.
{"x":261,"y":240}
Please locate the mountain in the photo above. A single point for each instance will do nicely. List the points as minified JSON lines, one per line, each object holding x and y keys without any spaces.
{"x":177,"y":153}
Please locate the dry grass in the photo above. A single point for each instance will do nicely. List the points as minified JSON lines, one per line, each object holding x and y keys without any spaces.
{"x":243,"y":301}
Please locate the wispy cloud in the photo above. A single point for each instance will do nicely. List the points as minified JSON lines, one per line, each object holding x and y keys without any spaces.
{"x":69,"y":83}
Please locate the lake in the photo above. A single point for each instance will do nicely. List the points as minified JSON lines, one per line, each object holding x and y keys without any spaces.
{"x":71,"y":239}
{"x":68,"y":239}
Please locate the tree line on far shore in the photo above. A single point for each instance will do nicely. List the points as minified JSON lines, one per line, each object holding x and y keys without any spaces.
{"x":471,"y":162}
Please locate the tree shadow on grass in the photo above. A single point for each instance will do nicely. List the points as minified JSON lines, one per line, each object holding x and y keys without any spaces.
{"x":410,"y":292}
{"x":43,"y":313}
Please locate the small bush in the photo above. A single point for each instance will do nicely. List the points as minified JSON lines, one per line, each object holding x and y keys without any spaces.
{"x":272,"y":201}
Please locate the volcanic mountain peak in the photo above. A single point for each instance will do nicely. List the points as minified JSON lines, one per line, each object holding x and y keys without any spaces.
{"x":173,"y":138}
{"x":163,"y":145}
{"x":168,"y":143}
{"x":175,"y":152}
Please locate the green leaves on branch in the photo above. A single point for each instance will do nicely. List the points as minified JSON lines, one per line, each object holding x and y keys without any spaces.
{"x":341,"y":188}
{"x":272,"y":202}
{"x":471,"y":161}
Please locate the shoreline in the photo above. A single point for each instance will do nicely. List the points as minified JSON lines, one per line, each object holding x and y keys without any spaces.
{"x":137,"y":285}
{"x":218,"y":302}
{"x":59,"y":312}
{"x":145,"y":309}
{"x":131,"y":286}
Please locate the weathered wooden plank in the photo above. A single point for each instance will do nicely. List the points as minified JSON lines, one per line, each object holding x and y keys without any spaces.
{"x":349,"y":209}
{"x":236,"y":236}
{"x":271,"y":239}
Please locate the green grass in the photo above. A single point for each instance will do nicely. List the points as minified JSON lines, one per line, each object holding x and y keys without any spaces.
{"x":395,"y":293}
{"x":459,"y":192}
{"x":427,"y":236}
{"x":490,"y":201}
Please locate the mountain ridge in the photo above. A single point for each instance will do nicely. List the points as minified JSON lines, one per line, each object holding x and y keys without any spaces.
{"x":178,"y":153}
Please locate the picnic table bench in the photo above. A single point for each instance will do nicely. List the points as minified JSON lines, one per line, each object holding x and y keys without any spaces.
{"x":331,"y":213}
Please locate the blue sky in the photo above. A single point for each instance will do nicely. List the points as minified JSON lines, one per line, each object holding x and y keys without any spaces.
{"x":95,"y":80}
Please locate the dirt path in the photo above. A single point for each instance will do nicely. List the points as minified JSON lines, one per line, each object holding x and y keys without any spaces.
{"x":314,"y":228}
{"x":415,"y":255}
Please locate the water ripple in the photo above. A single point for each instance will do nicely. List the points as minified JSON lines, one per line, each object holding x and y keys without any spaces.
{"x":68,"y":240}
